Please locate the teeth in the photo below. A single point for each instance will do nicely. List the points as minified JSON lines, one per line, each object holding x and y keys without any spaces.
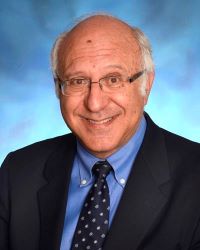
{"x":100,"y":122}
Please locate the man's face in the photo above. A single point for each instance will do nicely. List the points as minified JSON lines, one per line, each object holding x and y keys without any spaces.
{"x":102,"y":122}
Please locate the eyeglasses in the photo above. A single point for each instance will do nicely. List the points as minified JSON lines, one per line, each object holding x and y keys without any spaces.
{"x":108,"y":84}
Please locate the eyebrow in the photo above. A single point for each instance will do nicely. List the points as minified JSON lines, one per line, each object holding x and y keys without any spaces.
{"x":74,"y":73}
{"x":113,"y":66}
{"x":118,"y":66}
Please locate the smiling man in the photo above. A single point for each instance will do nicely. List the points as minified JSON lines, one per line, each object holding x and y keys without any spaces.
{"x":118,"y":181}
{"x":106,"y":113}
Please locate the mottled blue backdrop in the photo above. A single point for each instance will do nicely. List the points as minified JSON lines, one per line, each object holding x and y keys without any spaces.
{"x":29,"y":110}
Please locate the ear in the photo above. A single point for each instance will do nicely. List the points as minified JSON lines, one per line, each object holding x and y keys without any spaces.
{"x":149,"y":83}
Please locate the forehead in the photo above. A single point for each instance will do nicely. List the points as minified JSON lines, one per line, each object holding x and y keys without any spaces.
{"x":113,"y":42}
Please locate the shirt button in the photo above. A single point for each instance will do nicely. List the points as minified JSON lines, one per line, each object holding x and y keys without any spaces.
{"x":83,"y":182}
{"x":122,"y":181}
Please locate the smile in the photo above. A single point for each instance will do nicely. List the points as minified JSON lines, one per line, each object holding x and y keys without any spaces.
{"x":101,"y":121}
{"x":105,"y":121}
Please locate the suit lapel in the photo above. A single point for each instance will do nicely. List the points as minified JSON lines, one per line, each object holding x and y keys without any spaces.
{"x":144,"y":196}
{"x":52,"y":196}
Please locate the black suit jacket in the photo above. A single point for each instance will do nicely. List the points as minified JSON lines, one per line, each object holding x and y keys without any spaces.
{"x":159,"y":209}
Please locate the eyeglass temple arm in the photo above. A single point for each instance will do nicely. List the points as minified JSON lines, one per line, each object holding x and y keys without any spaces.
{"x":57,"y":80}
{"x":137,"y":75}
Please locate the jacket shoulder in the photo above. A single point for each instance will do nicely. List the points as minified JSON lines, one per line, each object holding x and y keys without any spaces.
{"x":181,"y":144}
{"x":183,"y":155}
{"x":37,"y":152}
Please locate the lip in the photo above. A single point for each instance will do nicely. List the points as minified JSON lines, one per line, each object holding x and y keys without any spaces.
{"x":100,"y":122}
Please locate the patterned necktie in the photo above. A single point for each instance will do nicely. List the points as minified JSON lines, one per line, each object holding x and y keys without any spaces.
{"x":93,"y":222}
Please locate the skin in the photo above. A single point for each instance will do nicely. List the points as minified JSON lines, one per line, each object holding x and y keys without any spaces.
{"x":95,"y":48}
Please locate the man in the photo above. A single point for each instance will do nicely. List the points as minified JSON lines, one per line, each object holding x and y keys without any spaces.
{"x":103,"y":72}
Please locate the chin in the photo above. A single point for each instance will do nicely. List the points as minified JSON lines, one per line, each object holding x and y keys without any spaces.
{"x":101,"y":150}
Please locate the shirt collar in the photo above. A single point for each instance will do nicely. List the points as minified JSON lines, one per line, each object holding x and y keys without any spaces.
{"x":121,"y":161}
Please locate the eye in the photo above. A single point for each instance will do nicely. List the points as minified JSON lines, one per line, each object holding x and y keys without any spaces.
{"x":113,"y":81}
{"x":77,"y":82}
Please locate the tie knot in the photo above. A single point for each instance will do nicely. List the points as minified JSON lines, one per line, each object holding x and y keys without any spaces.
{"x":101,"y":169}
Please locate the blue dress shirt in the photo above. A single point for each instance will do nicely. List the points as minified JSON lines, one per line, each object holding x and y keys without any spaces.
{"x":82,"y":180}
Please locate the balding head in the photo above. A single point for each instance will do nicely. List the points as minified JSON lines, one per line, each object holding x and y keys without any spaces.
{"x":98,"y":24}
{"x":99,"y":29}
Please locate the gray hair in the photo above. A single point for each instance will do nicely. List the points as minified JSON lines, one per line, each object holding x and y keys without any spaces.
{"x":140,"y":37}
{"x":146,"y":55}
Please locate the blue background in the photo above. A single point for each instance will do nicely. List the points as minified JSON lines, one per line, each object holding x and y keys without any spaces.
{"x":29,"y":109}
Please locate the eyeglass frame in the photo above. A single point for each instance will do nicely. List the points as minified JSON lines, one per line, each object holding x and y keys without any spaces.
{"x":130,"y":79}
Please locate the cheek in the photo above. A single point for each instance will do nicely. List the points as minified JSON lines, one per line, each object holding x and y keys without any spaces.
{"x":134,"y":112}
{"x":132,"y":102}
{"x":68,"y":106}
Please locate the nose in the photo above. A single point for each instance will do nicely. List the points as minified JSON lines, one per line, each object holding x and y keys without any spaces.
{"x":95,"y":99}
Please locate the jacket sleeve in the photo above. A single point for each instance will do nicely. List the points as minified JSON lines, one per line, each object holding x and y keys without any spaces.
{"x":4,"y":206}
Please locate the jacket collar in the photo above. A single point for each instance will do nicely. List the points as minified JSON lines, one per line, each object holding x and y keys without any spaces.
{"x":145,"y":194}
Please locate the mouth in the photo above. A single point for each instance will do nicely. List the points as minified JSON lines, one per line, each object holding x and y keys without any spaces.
{"x":105,"y":121}
{"x":99,"y":122}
